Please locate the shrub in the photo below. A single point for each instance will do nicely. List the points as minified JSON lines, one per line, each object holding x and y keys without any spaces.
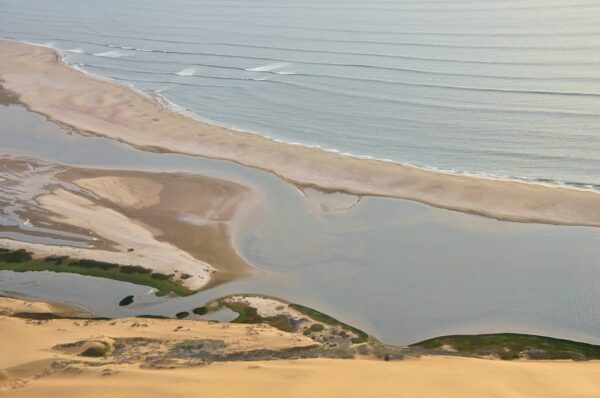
{"x":317,"y":327}
{"x":126,"y":301}
{"x":160,"y":276}
{"x":182,"y":314}
{"x":130,"y":269}
{"x":200,"y":311}
{"x":94,"y":264}
{"x":16,"y":256}
{"x":58,"y":260}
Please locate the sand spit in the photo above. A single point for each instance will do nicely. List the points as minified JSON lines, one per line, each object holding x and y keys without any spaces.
{"x":142,"y":218}
{"x":11,"y":306}
{"x":96,"y":106}
{"x":113,"y":358}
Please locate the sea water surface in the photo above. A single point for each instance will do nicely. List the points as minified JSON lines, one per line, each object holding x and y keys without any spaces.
{"x":400,"y":270}
{"x":508,"y":88}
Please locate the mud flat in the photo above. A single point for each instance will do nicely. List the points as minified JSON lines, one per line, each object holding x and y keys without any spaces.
{"x":43,"y":82}
{"x":178,"y":226}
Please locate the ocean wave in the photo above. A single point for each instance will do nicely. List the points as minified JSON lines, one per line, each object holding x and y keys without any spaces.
{"x":269,"y":67}
{"x":301,"y":50}
{"x":110,"y":54}
{"x":176,"y":108}
{"x":186,"y":72}
{"x":75,"y":51}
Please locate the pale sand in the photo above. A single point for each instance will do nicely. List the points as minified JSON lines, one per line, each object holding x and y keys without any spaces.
{"x":27,"y":354}
{"x":10,"y":306}
{"x":96,"y":106}
{"x":168,"y":222}
{"x":124,"y":191}
{"x":147,"y":251}
{"x":25,"y":341}
{"x":427,"y":377}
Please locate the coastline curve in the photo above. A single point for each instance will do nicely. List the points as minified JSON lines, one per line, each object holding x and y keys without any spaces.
{"x":97,"y":106}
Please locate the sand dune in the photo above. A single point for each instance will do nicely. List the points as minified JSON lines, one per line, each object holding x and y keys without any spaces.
{"x":35,"y":362}
{"x":96,"y":106}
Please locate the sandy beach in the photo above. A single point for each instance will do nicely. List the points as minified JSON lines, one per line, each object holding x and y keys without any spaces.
{"x":44,"y":358}
{"x":141,"y":218}
{"x":43,"y":82}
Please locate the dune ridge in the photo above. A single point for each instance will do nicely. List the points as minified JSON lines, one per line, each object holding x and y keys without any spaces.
{"x":47,"y":358}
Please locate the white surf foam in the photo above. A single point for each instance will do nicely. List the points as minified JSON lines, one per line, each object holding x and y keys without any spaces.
{"x":186,"y":72}
{"x":268,"y":67}
{"x":179,"y":109}
{"x":75,"y":50}
{"x":285,"y":72}
{"x":111,"y":54}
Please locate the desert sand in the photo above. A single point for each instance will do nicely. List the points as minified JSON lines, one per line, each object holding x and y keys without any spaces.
{"x":142,"y":218}
{"x":37,"y":359}
{"x":44,"y":83}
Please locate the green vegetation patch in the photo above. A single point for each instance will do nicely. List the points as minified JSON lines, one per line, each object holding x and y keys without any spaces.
{"x":23,"y":261}
{"x":182,"y":314}
{"x":14,"y":256}
{"x":326,"y":319}
{"x":126,"y":301}
{"x":200,"y":311}
{"x":248,"y":314}
{"x":512,"y":346}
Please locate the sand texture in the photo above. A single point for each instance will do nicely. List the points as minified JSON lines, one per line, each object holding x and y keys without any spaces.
{"x":171,"y":223}
{"x":96,"y":106}
{"x":43,"y":358}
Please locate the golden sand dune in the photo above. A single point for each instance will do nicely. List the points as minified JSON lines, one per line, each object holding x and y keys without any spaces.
{"x":96,"y":106}
{"x":43,"y":359}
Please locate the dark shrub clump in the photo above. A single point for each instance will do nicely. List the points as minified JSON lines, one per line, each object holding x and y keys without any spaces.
{"x":182,"y":314}
{"x":200,"y":311}
{"x":15,"y":256}
{"x":126,"y":301}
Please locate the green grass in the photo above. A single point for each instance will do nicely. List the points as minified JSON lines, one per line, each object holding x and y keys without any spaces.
{"x":249,"y":315}
{"x":324,"y":318}
{"x":246,"y":314}
{"x":22,"y":261}
{"x":512,"y":346}
{"x":14,"y":256}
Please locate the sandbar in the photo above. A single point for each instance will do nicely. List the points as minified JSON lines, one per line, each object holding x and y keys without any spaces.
{"x":45,"y":84}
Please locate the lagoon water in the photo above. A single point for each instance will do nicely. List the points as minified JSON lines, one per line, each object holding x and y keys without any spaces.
{"x":397,"y":269}
{"x":507,"y":88}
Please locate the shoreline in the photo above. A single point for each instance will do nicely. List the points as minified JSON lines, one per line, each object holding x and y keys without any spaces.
{"x":44,"y":353}
{"x":187,"y":238}
{"x":94,"y":105}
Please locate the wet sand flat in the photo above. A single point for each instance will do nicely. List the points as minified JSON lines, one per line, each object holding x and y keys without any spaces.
{"x":95,"y":106}
{"x":171,"y":223}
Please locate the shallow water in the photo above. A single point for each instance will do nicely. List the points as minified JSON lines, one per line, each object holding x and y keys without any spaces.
{"x":501,"y":87}
{"x":400,"y":270}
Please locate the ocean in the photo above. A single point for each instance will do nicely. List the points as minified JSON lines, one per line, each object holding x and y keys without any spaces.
{"x":502,"y":88}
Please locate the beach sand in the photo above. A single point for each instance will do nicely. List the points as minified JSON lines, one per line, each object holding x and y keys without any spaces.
{"x":92,"y":105}
{"x":31,"y":365}
{"x":168,"y":222}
